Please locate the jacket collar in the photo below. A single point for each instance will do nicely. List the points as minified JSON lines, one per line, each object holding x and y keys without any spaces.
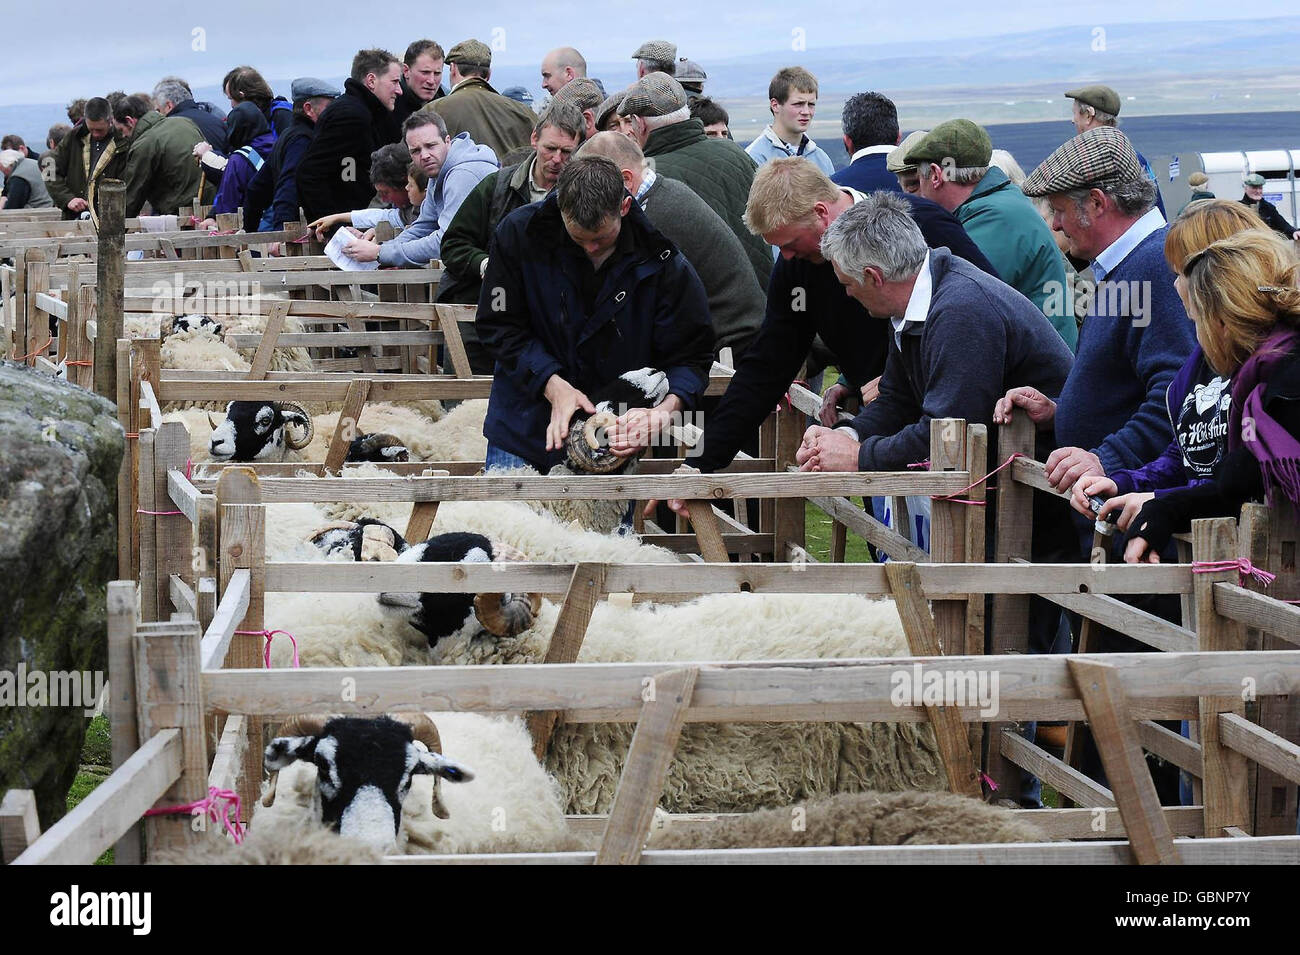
{"x":519,"y":175}
{"x":667,"y":138}
{"x":368,"y":99}
{"x":991,"y":182}
{"x":471,"y":81}
{"x":147,"y":122}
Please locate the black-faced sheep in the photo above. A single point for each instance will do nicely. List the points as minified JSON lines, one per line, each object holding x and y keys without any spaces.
{"x":587,"y":448}
{"x":364,"y":769}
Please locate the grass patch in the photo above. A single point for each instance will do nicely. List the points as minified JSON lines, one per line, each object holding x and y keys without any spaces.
{"x":89,"y":777}
{"x":97,"y":750}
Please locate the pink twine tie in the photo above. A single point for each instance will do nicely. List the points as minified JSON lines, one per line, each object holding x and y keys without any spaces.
{"x":269,"y":635}
{"x":988,"y":781}
{"x":1244,"y":567}
{"x":218,"y":807}
{"x":953,"y":498}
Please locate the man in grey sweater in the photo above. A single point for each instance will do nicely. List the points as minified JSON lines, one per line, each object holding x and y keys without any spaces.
{"x":958,"y":337}
{"x":736,"y":303}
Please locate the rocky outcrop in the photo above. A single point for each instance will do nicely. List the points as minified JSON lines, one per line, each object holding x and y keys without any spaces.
{"x":60,"y":448}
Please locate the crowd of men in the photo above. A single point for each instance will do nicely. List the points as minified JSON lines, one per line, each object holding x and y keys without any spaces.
{"x":623,"y":229}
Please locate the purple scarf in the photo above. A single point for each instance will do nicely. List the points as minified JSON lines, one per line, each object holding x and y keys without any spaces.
{"x":1277,"y":451}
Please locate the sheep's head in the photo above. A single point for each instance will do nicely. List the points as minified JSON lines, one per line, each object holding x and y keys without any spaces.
{"x":190,"y":323}
{"x":441,"y":615}
{"x":366,"y":539}
{"x":380,"y":447}
{"x":259,"y":430}
{"x":587,"y":446}
{"x":364,"y":769}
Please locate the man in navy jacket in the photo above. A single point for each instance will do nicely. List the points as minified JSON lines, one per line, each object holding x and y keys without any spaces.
{"x":579,"y":289}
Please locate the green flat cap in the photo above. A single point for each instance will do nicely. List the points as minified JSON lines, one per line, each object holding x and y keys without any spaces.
{"x":471,"y":53}
{"x":1098,"y":97}
{"x":655,"y":94}
{"x":1099,"y":157}
{"x":1254,"y":179}
{"x":959,"y":141}
{"x":895,"y":162}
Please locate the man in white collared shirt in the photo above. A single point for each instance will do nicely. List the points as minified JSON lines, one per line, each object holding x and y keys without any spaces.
{"x":870,"y":124}
{"x":958,"y":335}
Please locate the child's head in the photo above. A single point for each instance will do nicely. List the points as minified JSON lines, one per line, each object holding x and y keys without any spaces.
{"x":417,"y":182}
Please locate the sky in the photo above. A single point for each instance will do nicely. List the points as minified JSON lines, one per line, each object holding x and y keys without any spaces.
{"x":130,"y":45}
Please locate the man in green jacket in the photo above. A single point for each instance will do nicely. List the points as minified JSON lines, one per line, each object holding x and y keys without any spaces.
{"x":473,"y":106}
{"x":86,"y":155}
{"x":952,"y":162}
{"x":160,"y":167}
{"x":718,"y":170}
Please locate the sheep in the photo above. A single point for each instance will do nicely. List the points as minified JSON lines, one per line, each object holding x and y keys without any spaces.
{"x":511,"y":805}
{"x":857,"y":819}
{"x":302,"y":844}
{"x":364,"y":769}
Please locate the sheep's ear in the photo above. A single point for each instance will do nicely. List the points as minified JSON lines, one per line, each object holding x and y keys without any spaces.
{"x":283,"y":750}
{"x":435,"y":764}
{"x":264,"y":419}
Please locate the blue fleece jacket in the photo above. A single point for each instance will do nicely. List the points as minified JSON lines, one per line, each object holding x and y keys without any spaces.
{"x":1133,"y":341}
{"x":467,"y":163}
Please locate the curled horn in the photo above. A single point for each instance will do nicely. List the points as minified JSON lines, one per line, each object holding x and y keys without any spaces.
{"x":311,"y":428}
{"x":583,"y":447}
{"x":424,"y":731}
{"x":211,"y":424}
{"x":506,"y":615}
{"x":304,"y":724}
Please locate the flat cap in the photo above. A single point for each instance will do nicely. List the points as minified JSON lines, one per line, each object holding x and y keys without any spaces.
{"x":1098,"y":97}
{"x":581,"y":92}
{"x":1099,"y":157}
{"x":1197,"y":179}
{"x":470,"y":53}
{"x":655,"y":94}
{"x":308,"y":87}
{"x":608,"y":106}
{"x":660,"y":50}
{"x":1254,"y":179}
{"x":688,"y":71}
{"x":958,"y":141}
{"x":895,"y":161}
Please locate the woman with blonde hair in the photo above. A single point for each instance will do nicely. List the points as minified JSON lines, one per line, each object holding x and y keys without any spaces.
{"x":1198,"y":397}
{"x":1242,"y":292}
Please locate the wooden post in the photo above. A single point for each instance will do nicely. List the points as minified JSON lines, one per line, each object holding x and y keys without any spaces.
{"x":1106,"y":705}
{"x":242,"y":530}
{"x":788,"y":526}
{"x":707,"y":532}
{"x":19,"y":824}
{"x":948,"y":529}
{"x":174,"y":536}
{"x":1223,"y":777}
{"x":667,"y":698}
{"x":923,"y":641}
{"x":586,"y":587}
{"x":261,"y":362}
{"x":19,"y":328}
{"x":423,"y":514}
{"x":349,"y":423}
{"x":228,"y":222}
{"x":767,"y":449}
{"x":126,"y":489}
{"x":110,"y":268}
{"x":38,"y":323}
{"x":143,"y":529}
{"x":85,"y":348}
{"x":1009,"y":628}
{"x":1077,"y":732}
{"x":170,"y":692}
{"x":122,"y":696}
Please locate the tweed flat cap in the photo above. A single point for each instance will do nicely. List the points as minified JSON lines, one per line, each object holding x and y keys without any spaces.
{"x":608,"y":107}
{"x":470,"y":53}
{"x":655,"y":94}
{"x":308,"y":87}
{"x":1254,"y":179}
{"x":958,"y":141}
{"x":1099,"y":157}
{"x":1197,"y":179}
{"x":660,"y":50}
{"x":688,"y":71}
{"x":581,"y":92}
{"x":1098,"y":97}
{"x":895,"y":162}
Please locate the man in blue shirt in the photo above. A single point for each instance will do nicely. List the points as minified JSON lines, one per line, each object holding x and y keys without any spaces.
{"x":792,"y":97}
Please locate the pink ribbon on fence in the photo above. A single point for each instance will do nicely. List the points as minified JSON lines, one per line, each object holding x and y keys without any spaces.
{"x":953,"y":497}
{"x":1244,"y":568}
{"x":269,"y":635}
{"x":988,"y":781}
{"x":217,"y":806}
